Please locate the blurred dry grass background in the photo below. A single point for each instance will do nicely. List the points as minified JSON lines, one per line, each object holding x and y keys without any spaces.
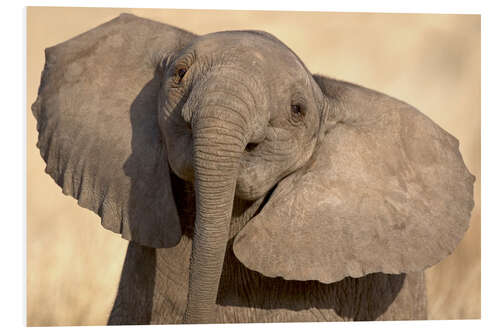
{"x":429,"y":61}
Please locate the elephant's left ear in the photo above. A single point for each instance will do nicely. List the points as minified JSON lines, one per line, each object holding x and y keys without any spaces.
{"x":386,"y":191}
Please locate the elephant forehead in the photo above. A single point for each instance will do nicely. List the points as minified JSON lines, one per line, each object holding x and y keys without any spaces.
{"x":255,"y":47}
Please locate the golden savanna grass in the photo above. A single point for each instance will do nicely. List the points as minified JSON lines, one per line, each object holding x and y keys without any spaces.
{"x":430,"y":61}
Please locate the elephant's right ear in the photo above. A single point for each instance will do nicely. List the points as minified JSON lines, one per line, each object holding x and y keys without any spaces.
{"x":386,"y":191}
{"x":98,"y":130}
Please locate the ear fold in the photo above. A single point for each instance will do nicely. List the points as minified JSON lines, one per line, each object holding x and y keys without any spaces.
{"x":386,"y":191}
{"x":98,"y":132}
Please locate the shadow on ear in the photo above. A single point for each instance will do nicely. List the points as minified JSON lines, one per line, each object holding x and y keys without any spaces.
{"x":386,"y":191}
{"x":97,"y":121}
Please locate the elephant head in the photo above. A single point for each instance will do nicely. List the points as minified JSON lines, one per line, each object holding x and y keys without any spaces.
{"x":349,"y":181}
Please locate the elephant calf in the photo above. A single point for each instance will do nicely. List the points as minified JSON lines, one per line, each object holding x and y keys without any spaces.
{"x":250,"y":190}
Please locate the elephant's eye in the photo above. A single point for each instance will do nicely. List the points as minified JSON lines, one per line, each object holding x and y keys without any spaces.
{"x":180,"y":73}
{"x":296,"y":109}
{"x":297,"y":112}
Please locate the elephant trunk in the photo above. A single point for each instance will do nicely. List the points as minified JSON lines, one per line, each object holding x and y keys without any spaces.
{"x":219,"y":138}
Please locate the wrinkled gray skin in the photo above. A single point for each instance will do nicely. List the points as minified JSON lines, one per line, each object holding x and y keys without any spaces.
{"x":232,"y":128}
{"x":375,"y":190}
